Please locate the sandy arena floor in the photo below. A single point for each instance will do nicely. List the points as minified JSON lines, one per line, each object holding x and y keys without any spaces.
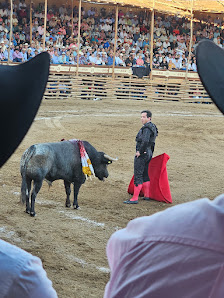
{"x":72,"y":243}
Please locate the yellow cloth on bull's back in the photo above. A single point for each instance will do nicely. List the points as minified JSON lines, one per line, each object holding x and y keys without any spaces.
{"x":86,"y":171}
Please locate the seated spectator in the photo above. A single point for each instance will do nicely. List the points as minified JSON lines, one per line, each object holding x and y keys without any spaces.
{"x":155,"y":61}
{"x":63,"y":59}
{"x":55,"y":58}
{"x":163,"y":37}
{"x":158,"y":43}
{"x":121,"y":60}
{"x":183,"y":65}
{"x":166,"y":44}
{"x":171,"y":65}
{"x":177,"y":62}
{"x":17,"y":55}
{"x":219,"y":43}
{"x":92,"y":59}
{"x":147,"y":62}
{"x":110,"y":59}
{"x":120,"y":14}
{"x":139,"y":60}
{"x":176,"y":30}
{"x":104,"y":58}
{"x":24,"y":54}
{"x":2,"y":56}
{"x":139,"y":43}
{"x":194,"y":65}
{"x":98,"y":60}
{"x":95,"y":39}
{"x":129,"y":61}
{"x":216,"y":39}
{"x":164,"y":64}
{"x":157,"y":31}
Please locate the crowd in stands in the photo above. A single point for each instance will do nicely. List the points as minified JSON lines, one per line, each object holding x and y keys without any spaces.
{"x":170,"y":45}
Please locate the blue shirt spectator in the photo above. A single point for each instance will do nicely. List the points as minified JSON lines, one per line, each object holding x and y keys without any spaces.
{"x":110,"y":60}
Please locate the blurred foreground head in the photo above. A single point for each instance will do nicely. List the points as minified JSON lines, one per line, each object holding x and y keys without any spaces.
{"x":210,"y":65}
{"x":22,"y":88}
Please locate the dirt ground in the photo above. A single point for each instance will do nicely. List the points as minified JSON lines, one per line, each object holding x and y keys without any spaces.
{"x":72,"y":243}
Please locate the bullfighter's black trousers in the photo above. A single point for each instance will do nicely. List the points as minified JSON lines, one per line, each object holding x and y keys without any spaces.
{"x":141,"y":165}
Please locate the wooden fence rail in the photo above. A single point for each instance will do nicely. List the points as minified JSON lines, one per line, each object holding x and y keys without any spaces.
{"x":96,"y":87}
{"x":95,"y":83}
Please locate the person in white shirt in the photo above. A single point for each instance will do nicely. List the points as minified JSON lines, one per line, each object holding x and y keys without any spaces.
{"x":166,"y":43}
{"x":98,"y":60}
{"x":22,"y":275}
{"x":92,"y":59}
{"x":158,"y":43}
{"x":106,"y":27}
{"x":177,"y":63}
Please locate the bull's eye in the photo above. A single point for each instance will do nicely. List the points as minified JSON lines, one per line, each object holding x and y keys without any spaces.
{"x":109,"y":162}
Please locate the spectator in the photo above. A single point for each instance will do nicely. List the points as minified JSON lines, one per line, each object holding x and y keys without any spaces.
{"x":24,"y":55}
{"x":147,"y":62}
{"x":55,"y":58}
{"x":139,"y":60}
{"x":164,"y":64}
{"x":17,"y":55}
{"x":98,"y":60}
{"x":170,"y":33}
{"x":129,"y":61}
{"x":30,"y":54}
{"x":104,"y":58}
{"x":2,"y":56}
{"x":110,"y":59}
{"x":92,"y":59}
{"x":63,"y":59}
{"x":193,"y":65}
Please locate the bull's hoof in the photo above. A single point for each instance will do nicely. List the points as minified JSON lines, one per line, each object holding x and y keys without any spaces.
{"x":32,"y":214}
{"x":76,"y":207}
{"x":27,"y":211}
{"x":67,"y":205}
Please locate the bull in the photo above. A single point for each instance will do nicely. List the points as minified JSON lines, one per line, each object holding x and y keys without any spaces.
{"x":54,"y":161}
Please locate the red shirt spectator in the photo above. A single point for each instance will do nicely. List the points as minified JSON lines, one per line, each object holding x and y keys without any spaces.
{"x":143,"y":29}
{"x":176,"y":30}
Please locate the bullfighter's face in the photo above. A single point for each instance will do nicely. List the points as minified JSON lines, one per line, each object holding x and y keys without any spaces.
{"x":144,"y":118}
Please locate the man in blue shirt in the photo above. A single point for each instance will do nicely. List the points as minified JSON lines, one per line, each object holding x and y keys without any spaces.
{"x":55,"y":58}
{"x":110,"y":59}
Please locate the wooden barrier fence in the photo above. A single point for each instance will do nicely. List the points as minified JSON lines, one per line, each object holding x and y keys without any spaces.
{"x":96,"y":86}
{"x":96,"y":83}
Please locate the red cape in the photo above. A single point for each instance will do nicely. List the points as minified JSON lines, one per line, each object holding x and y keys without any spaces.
{"x":159,"y":188}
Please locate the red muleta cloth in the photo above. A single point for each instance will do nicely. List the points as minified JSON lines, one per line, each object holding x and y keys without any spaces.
{"x":159,"y":188}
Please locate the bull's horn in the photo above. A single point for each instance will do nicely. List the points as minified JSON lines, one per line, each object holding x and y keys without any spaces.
{"x":110,"y":158}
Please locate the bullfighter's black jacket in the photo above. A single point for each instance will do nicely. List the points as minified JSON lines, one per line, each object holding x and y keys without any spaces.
{"x":145,"y":139}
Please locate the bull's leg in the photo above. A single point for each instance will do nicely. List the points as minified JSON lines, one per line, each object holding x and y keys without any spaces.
{"x":28,"y":188}
{"x":76,"y":191}
{"x":36,"y":188}
{"x":68,"y":192}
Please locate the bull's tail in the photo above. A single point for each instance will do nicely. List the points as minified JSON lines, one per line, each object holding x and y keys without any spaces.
{"x":27,"y":155}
